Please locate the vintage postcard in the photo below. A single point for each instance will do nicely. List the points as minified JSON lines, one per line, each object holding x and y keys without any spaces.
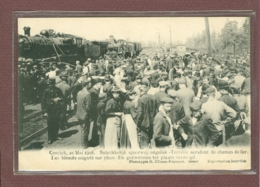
{"x":134,"y":94}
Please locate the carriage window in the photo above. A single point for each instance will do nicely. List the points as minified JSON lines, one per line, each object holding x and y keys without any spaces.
{"x":79,"y":42}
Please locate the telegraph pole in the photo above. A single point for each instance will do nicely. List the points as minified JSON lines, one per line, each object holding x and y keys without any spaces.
{"x":208,"y":36}
{"x":159,"y":39}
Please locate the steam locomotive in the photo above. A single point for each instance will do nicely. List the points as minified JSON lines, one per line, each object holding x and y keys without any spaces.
{"x":69,"y":48}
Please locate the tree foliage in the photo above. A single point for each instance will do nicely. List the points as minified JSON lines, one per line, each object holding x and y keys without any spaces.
{"x":232,"y":39}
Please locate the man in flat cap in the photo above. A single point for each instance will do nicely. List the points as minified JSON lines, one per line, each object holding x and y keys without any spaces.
{"x":68,"y":70}
{"x":78,"y":67}
{"x":137,"y":81}
{"x":94,"y":92}
{"x":176,"y":114}
{"x":83,"y":111}
{"x":52,"y":107}
{"x":188,"y":77}
{"x":65,"y":88}
{"x":239,"y":77}
{"x":162,"y":126}
{"x":206,"y":82}
{"x":185,"y":95}
{"x":204,"y":97}
{"x":107,"y":87}
{"x":146,"y":110}
{"x":161,"y":94}
{"x":72,"y":79}
{"x":224,"y":89}
{"x":241,"y":99}
{"x":163,"y":76}
{"x":220,"y":113}
{"x":197,"y":129}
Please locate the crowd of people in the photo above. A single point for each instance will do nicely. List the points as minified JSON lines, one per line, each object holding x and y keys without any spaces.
{"x":163,"y":100}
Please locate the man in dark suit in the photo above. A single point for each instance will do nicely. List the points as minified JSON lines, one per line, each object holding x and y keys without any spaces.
{"x":162,"y":77}
{"x":204,"y":97}
{"x":83,"y":111}
{"x":169,"y":63}
{"x":101,"y":120}
{"x":161,"y":94}
{"x":109,"y":67}
{"x":176,"y":114}
{"x":65,"y":88}
{"x":137,"y":81}
{"x":146,"y":111}
{"x":198,"y":129}
{"x":78,"y":67}
{"x":101,"y":67}
{"x":68,"y":70}
{"x":72,"y":79}
{"x":94,"y":92}
{"x":225,"y":96}
{"x":177,"y":110}
{"x":162,"y":125}
{"x":107,"y":87}
{"x":52,"y":106}
{"x":185,"y":95}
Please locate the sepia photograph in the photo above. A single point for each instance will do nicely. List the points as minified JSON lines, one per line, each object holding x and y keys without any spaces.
{"x":134,"y":93}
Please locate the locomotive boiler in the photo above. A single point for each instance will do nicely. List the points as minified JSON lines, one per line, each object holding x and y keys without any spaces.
{"x":49,"y":44}
{"x":69,"y":48}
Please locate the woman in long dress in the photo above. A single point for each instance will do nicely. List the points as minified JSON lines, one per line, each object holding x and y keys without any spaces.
{"x":113,"y":111}
{"x":129,"y":137}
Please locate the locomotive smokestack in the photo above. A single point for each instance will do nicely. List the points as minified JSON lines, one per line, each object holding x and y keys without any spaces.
{"x":27,"y":31}
{"x":112,"y":39}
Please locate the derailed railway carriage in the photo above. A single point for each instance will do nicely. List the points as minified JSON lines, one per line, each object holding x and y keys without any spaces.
{"x":49,"y":44}
{"x":69,"y":48}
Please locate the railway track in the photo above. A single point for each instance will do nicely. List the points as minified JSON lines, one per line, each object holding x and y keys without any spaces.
{"x":35,"y":119}
{"x":36,"y":126}
{"x":32,"y":119}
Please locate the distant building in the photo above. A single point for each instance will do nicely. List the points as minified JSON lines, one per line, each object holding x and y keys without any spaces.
{"x":181,"y":48}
